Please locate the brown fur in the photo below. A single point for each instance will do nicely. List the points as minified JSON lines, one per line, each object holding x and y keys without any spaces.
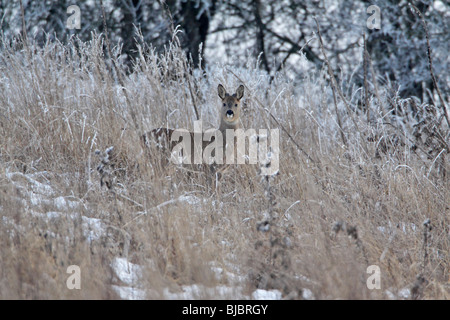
{"x":229,"y":114}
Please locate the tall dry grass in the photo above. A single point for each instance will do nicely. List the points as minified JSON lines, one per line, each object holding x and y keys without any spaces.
{"x":310,"y":232}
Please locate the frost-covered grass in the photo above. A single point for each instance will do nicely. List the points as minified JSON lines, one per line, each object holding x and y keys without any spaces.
{"x":163,"y":232}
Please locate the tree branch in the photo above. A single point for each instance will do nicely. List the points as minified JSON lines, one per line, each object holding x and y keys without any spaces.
{"x":430,"y":63}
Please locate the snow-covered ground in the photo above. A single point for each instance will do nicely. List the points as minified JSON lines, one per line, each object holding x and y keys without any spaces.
{"x":129,"y":274}
{"x":37,"y":195}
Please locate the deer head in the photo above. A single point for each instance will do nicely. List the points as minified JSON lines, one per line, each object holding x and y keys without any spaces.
{"x":230,"y":109}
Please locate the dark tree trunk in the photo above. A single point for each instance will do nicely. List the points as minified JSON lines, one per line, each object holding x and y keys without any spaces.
{"x":260,"y":34}
{"x":194,"y":25}
{"x":132,"y":15}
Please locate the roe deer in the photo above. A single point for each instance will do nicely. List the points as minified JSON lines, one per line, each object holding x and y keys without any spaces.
{"x":228,"y":133}
{"x":111,"y":163}
{"x":229,"y":112}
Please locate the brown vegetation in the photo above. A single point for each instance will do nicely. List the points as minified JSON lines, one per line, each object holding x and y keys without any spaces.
{"x":313,"y":228}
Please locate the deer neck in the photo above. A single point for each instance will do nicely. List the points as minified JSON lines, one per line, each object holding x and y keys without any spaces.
{"x":226,"y":125}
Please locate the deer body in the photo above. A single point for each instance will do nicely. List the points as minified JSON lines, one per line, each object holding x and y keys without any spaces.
{"x":229,"y":113}
{"x":165,"y":139}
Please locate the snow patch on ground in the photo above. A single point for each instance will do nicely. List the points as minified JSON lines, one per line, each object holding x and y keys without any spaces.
{"x":38,"y":197}
{"x":307,"y":294}
{"x":129,"y":293}
{"x":403,"y":294}
{"x":260,"y":294}
{"x":195,"y":291}
{"x":221,"y":274}
{"x":127,"y":272}
{"x":391,"y":227}
{"x":35,"y":185}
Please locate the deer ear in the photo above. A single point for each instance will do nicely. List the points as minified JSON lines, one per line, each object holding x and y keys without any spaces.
{"x":240,"y":92}
{"x":222,"y":91}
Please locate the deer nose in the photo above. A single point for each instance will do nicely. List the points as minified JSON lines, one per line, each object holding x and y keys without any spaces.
{"x":230,"y":113}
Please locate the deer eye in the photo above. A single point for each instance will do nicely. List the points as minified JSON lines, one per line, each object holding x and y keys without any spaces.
{"x":224,"y":104}
{"x":235,"y":104}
